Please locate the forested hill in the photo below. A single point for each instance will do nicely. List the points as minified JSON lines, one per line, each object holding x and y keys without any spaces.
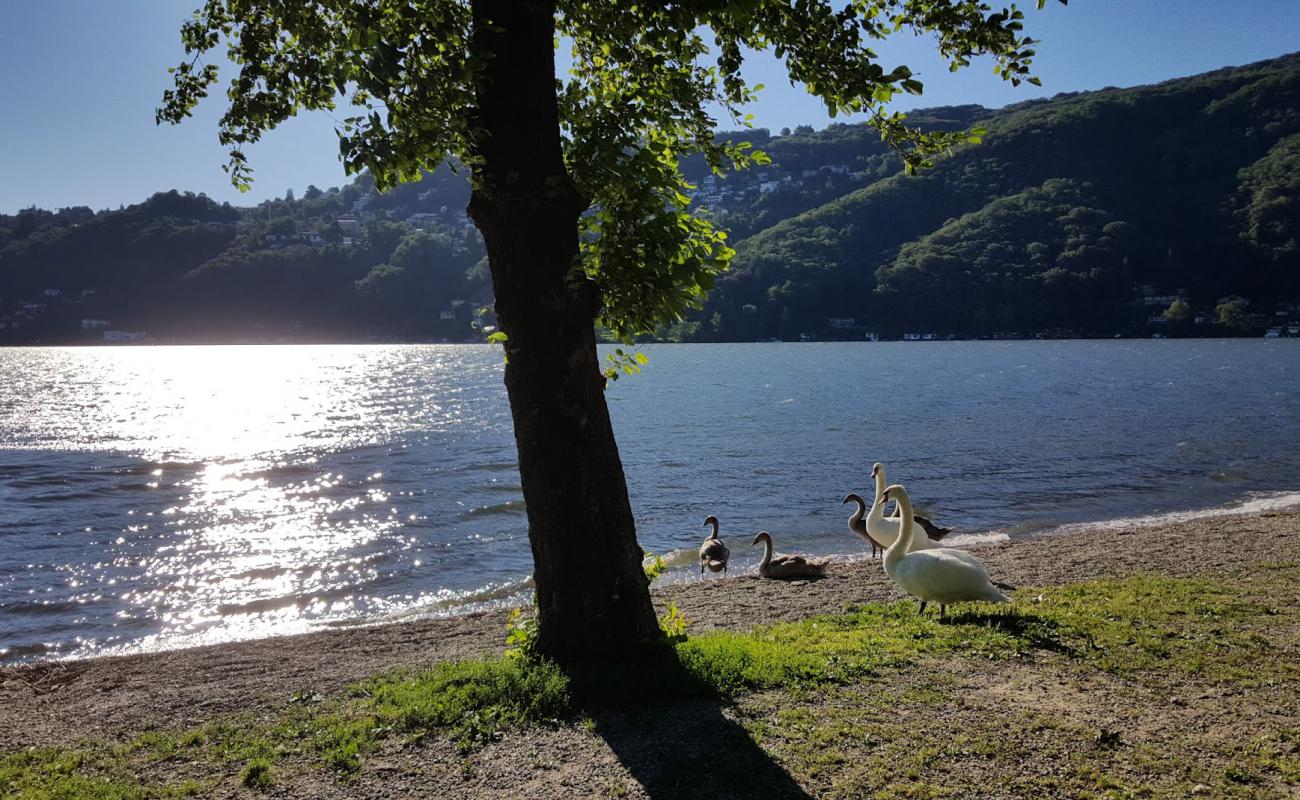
{"x":1087,"y":214}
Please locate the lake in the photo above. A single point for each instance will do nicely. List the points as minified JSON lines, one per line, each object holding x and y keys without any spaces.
{"x":160,"y":497}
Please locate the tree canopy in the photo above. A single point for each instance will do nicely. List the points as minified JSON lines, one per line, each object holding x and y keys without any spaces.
{"x":634,"y":105}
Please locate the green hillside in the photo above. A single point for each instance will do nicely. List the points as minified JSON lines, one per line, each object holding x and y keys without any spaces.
{"x":1070,"y":217}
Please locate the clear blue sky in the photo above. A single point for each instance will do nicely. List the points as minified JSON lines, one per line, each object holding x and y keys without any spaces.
{"x":79,"y":81}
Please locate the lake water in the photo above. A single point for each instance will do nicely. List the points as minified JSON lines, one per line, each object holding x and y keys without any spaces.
{"x":160,"y":497}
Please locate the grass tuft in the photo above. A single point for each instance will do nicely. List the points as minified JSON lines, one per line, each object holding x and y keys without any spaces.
{"x":257,"y":775}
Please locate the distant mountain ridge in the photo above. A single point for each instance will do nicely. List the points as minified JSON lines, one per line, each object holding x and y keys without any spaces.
{"x":1068,"y":218}
{"x":1122,"y":211}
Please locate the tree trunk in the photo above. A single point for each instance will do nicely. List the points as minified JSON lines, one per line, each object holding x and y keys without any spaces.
{"x":592,"y":595}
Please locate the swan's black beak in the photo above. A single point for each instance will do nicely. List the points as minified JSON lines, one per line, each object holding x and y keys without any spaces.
{"x":845,"y":500}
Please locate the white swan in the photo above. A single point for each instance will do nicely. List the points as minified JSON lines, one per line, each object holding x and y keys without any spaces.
{"x":883,"y":531}
{"x":713,"y":553}
{"x":941,"y":575}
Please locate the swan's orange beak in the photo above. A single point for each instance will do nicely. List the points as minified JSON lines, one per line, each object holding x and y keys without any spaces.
{"x":884,"y":498}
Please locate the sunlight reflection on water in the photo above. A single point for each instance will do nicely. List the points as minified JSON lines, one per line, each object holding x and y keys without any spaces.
{"x":167,"y":496}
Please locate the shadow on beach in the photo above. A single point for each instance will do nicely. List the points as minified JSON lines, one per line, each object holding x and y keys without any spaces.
{"x":690,"y":748}
{"x":683,"y":745}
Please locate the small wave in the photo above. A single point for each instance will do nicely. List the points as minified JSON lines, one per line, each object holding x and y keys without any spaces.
{"x":492,"y":509}
{"x":18,"y":654}
{"x":41,"y":607}
{"x":447,"y":603}
{"x":1256,"y":503}
{"x":975,"y":539}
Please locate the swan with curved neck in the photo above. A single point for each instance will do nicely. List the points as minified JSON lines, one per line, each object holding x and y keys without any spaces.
{"x":858,"y":526}
{"x":786,"y":567}
{"x":713,"y":553}
{"x":940,"y":575}
{"x":883,"y":531}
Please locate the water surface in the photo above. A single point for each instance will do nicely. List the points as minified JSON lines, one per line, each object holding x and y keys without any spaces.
{"x":159,"y":497}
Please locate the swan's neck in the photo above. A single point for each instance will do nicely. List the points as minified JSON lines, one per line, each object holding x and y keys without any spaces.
{"x":877,"y":513}
{"x":904,"y":541}
{"x":880,"y":483}
{"x":714,"y":535}
{"x":857,"y":515}
{"x":767,"y":554}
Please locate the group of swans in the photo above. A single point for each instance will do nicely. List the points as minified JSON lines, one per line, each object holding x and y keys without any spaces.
{"x":880,"y":531}
{"x":924,"y":569}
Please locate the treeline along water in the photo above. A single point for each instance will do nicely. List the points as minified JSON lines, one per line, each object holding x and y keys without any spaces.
{"x":161,"y":497}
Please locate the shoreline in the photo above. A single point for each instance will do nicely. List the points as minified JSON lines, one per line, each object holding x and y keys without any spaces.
{"x":681,"y":570}
{"x":57,"y":702}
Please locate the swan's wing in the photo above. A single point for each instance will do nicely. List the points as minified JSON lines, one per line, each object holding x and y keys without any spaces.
{"x":933,"y":531}
{"x":952,"y":556}
{"x":799,"y":561}
{"x":714,"y":549}
{"x":790,"y":566}
{"x":945,"y":573}
{"x":884,"y":532}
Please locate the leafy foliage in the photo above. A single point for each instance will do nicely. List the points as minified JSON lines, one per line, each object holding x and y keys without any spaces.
{"x":634,"y":104}
{"x":654,"y":566}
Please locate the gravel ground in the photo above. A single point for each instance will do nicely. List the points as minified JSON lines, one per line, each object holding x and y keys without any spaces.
{"x":59,"y":703}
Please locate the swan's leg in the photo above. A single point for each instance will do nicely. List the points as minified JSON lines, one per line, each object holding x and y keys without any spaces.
{"x":943,"y":609}
{"x":922,"y":610}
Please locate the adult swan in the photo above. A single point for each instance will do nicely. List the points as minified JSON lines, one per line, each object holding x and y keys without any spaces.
{"x":940,"y":575}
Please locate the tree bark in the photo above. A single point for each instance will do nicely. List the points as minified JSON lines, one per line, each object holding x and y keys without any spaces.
{"x":592,"y":595}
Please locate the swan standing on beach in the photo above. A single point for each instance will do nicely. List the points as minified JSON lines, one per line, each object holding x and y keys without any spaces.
{"x":941,"y":575}
{"x":858,"y":526}
{"x":786,"y":567}
{"x":713,"y":553}
{"x":882,"y":531}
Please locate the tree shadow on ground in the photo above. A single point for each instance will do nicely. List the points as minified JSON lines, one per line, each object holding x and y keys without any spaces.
{"x":1037,"y":632}
{"x":672,"y":733}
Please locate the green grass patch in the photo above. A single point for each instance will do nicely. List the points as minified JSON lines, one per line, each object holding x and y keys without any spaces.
{"x":477,"y":699}
{"x":840,"y":648}
{"x":1210,"y":630}
{"x":1149,"y":623}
